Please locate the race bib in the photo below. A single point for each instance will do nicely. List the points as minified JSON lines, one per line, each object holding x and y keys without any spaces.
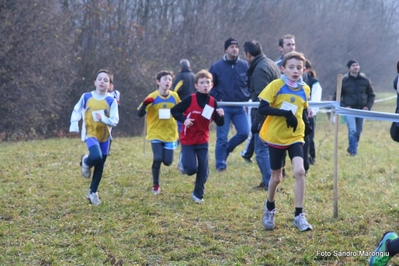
{"x":207,"y":112}
{"x":101,"y":112}
{"x":164,"y":114}
{"x":289,"y":107}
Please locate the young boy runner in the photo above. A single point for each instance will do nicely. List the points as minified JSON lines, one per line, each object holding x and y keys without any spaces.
{"x":99,"y":112}
{"x":196,"y":113}
{"x":161,"y":126}
{"x":285,"y":102}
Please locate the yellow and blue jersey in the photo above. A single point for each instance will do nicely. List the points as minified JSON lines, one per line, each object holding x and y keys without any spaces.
{"x":274,"y":130}
{"x":163,"y":129}
{"x":89,"y":104}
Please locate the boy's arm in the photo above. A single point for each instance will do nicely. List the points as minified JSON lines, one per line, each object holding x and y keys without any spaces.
{"x":219,"y":120}
{"x":265,"y":109}
{"x":76,"y":115}
{"x":178,"y":110}
{"x":143,"y":106}
{"x":113,"y":118}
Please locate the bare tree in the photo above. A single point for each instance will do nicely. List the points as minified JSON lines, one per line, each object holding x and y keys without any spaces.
{"x":53,"y":48}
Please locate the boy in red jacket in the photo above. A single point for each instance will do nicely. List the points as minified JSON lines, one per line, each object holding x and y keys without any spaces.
{"x":196,"y":112}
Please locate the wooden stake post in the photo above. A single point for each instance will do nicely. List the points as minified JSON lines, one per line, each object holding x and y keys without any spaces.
{"x":337,"y":121}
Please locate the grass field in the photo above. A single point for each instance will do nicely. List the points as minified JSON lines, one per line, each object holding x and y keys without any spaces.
{"x":46,"y":220}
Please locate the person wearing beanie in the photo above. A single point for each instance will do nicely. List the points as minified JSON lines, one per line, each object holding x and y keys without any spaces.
{"x":351,"y":62}
{"x":230,"y":85}
{"x":356,"y":92}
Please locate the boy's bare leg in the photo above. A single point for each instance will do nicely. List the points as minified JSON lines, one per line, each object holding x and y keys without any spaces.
{"x":299,"y":187}
{"x":275,"y":179}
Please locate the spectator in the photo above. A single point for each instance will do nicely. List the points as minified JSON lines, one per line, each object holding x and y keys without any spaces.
{"x":261,"y":72}
{"x":395,"y":83}
{"x":286,"y":44}
{"x":117,"y":96}
{"x":230,"y":85}
{"x":183,"y":85}
{"x":357,"y":92}
{"x":309,"y":149}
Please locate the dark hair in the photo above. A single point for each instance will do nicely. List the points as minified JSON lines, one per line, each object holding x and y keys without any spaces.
{"x":184,"y":63}
{"x":110,"y":75}
{"x":164,"y":73}
{"x":309,"y":68}
{"x":287,"y":36}
{"x":203,"y":73}
{"x":253,"y":47}
{"x":293,"y":54}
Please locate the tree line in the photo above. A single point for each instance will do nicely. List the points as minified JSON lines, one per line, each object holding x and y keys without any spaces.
{"x":51,"y":50}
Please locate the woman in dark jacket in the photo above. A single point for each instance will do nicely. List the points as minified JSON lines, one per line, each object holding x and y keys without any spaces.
{"x":395,"y":84}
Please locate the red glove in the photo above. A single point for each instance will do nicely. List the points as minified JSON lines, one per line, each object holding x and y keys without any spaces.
{"x":148,"y":101}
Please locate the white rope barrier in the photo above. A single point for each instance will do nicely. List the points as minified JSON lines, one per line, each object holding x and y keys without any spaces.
{"x":334,"y":106}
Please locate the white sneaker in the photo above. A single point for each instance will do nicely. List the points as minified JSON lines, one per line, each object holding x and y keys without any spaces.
{"x":86,"y":172}
{"x":268,"y":219}
{"x":93,"y":198}
{"x":301,"y":223}
{"x":197,"y":200}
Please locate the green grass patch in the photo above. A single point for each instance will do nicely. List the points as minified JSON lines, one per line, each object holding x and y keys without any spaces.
{"x":46,"y":220}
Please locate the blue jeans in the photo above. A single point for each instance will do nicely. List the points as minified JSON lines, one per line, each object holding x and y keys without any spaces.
{"x":263,"y":159}
{"x":355,"y":128}
{"x":238,"y":116}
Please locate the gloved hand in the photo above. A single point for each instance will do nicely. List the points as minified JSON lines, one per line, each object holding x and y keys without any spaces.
{"x":291,"y":120}
{"x":148,"y":100}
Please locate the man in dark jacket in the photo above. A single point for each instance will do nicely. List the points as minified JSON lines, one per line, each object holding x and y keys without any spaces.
{"x":230,"y":85}
{"x":261,"y":72}
{"x":357,"y":92}
{"x":184,"y":81}
{"x":183,"y":84}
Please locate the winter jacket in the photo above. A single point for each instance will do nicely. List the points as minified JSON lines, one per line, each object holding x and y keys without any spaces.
{"x":230,"y":80}
{"x":261,"y":72}
{"x":184,"y":83}
{"x":357,"y":92}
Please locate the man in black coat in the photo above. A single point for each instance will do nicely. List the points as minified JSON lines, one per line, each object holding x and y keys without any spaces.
{"x":357,"y":92}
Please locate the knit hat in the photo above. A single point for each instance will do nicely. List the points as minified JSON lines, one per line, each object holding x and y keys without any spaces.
{"x":229,"y":42}
{"x":350,"y":63}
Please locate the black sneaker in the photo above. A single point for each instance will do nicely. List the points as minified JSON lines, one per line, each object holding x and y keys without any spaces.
{"x":261,"y":186}
{"x":248,"y":160}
